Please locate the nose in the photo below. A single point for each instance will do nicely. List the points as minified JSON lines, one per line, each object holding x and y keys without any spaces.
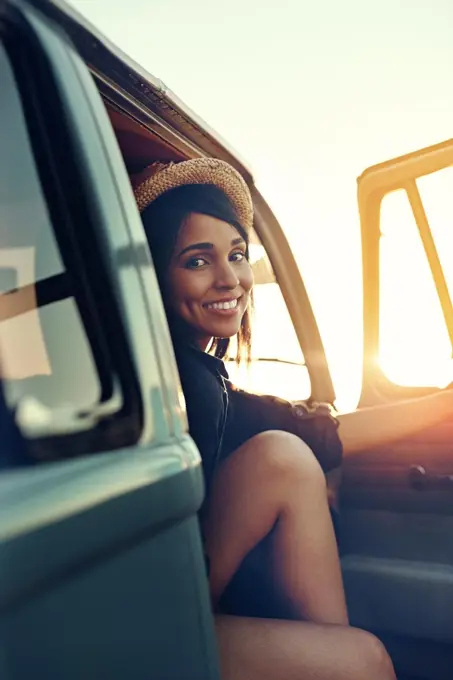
{"x":226,"y":276}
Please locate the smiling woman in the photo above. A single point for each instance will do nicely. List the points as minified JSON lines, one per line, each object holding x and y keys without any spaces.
{"x":197,"y":274}
{"x":209,"y":283}
{"x":263,"y":458}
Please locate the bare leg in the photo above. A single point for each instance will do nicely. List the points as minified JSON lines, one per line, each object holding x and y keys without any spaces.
{"x":275,"y":479}
{"x":263,"y":649}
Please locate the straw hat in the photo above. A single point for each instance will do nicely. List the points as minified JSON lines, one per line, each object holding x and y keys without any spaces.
{"x":158,"y":178}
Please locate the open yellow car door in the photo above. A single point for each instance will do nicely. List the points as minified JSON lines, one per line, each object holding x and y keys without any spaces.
{"x":397,"y":500}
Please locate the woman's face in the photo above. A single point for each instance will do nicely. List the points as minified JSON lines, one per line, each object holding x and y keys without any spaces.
{"x":210,"y":278}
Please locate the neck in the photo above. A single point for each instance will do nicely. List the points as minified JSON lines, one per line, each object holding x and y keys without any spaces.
{"x":183,"y":333}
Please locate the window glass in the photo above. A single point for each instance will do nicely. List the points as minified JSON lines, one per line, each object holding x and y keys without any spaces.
{"x":414,"y":348}
{"x":278,"y":365}
{"x":44,"y":350}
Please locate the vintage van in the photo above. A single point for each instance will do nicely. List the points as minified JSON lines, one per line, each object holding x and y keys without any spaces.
{"x":101,"y":565}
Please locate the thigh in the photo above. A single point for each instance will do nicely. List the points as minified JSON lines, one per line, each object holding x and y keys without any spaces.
{"x":262,"y":649}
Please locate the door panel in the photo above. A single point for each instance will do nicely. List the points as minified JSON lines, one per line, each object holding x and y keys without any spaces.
{"x":391,"y":477}
{"x":413,"y":599}
{"x":140,"y":612}
{"x":397,"y":500}
{"x":396,"y":529}
{"x":86,"y":508}
{"x":102,"y":567}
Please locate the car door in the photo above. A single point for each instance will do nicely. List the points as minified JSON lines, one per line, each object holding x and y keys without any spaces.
{"x":397,"y":500}
{"x":102,"y":568}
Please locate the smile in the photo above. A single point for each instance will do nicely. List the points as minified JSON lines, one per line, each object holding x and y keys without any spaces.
{"x":220,"y":306}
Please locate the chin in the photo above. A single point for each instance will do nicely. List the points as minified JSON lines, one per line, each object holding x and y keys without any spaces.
{"x":223,"y":332}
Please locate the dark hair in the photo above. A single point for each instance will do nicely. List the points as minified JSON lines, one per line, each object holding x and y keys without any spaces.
{"x":163,"y":219}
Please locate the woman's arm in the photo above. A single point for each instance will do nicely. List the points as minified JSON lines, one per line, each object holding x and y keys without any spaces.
{"x":250,"y":414}
{"x":378,"y":425}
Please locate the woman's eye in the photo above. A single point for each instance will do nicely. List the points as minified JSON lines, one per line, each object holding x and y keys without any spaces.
{"x":195,"y":263}
{"x":238,"y":256}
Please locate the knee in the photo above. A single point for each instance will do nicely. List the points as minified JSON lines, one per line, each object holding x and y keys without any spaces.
{"x":284,"y":456}
{"x":371,"y":659}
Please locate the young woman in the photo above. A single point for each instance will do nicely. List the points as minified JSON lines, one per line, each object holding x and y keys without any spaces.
{"x":264,"y":459}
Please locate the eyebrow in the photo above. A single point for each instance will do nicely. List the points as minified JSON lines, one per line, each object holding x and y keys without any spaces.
{"x":208,"y":246}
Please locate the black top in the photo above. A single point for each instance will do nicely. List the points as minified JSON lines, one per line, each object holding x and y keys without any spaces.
{"x":222,"y":417}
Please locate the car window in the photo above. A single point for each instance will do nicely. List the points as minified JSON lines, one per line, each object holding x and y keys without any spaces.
{"x":414,"y":346}
{"x":44,"y":351}
{"x":278,"y":365}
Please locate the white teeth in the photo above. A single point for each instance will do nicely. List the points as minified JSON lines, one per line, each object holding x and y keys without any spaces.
{"x":223,"y":305}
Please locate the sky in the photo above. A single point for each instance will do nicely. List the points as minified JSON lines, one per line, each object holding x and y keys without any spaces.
{"x":309,"y":94}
